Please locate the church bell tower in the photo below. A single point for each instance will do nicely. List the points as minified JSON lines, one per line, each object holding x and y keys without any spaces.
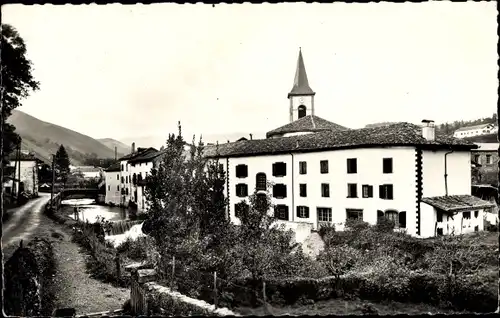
{"x":301,"y":96}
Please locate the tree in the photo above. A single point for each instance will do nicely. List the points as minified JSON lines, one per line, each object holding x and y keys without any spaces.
{"x":17,"y":83}
{"x":62,"y":163}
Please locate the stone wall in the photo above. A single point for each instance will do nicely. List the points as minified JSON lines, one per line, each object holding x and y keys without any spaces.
{"x":488,"y":170}
{"x":149,"y":298}
{"x":27,"y":276}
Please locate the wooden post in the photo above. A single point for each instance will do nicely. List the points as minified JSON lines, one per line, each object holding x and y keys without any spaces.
{"x":264,"y":292}
{"x":53,"y":181}
{"x":215,"y":289}
{"x":117,"y":263}
{"x":173,"y":272}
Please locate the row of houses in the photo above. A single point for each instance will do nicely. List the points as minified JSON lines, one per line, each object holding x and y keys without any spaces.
{"x":324,"y":173}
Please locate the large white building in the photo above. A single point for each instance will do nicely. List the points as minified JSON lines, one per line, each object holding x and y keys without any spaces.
{"x":322,"y":172}
{"x":112,"y":183}
{"x":23,"y":174}
{"x":476,"y":130}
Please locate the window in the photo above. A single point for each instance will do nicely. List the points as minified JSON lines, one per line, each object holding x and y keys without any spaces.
{"x":476,"y":228}
{"x":279,"y":191}
{"x":392,"y":216}
{"x":303,"y":190}
{"x":386,"y":191}
{"x":303,"y":212}
{"x":352,"y":190}
{"x":134,"y":179}
{"x":323,"y":166}
{"x":352,"y":165}
{"x":241,"y":171}
{"x":439,"y":216}
{"x":354,"y":214}
{"x":440,"y":231}
{"x":488,"y":159}
{"x":221,"y":167}
{"x":367,"y":191}
{"x":117,"y":177}
{"x":122,"y":167}
{"x":387,"y":165}
{"x":126,"y":191}
{"x":239,"y":209}
{"x":302,"y":167}
{"x":279,"y":169}
{"x":281,"y":212}
{"x":380,"y":215}
{"x":117,"y":188}
{"x":477,"y":158}
{"x":302,"y":111}
{"x":476,"y":214}
{"x":260,"y":181}
{"x":466,"y":215}
{"x":123,"y":179}
{"x":241,"y":190}
{"x":324,"y":214}
{"x":325,"y":190}
{"x":109,"y":188}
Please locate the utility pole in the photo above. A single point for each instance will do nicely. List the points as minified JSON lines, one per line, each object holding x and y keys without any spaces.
{"x":19,"y":171}
{"x":53,"y":180}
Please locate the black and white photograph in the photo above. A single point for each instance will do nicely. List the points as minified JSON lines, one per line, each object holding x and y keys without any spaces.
{"x":248,"y":159}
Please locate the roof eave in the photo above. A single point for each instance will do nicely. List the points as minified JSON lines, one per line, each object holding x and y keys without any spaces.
{"x":301,"y":94}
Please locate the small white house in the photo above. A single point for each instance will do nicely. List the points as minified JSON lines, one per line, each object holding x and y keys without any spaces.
{"x":476,"y":130}
{"x":24,"y":175}
{"x":112,"y":183}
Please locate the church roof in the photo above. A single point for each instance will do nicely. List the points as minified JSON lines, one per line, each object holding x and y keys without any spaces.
{"x":395,"y":135}
{"x":310,"y":123}
{"x":300,"y":83}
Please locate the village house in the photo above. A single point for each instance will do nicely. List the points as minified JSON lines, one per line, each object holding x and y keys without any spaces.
{"x":112,"y":183}
{"x":324,"y":173}
{"x":477,"y":130}
{"x":23,"y":173}
{"x":485,"y":159}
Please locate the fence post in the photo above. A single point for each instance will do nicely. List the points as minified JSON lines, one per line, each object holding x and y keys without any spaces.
{"x":117,"y":262}
{"x":215,"y":289}
{"x":264,"y":292}
{"x":173,"y":272}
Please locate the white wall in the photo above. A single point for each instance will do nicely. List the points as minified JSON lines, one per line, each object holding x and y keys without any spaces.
{"x":112,"y":187}
{"x":451,"y":223}
{"x":143,"y":169}
{"x":29,"y":176}
{"x":91,"y":174}
{"x":458,"y":170}
{"x":475,"y":132}
{"x":369,"y":171}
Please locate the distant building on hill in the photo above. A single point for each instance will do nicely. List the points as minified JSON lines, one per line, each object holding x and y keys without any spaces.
{"x":477,"y":130}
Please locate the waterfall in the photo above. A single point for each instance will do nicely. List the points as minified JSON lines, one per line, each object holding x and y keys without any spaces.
{"x":120,"y":227}
{"x":133,"y":233}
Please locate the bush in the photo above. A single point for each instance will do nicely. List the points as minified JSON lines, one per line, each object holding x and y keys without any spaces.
{"x":136,"y":249}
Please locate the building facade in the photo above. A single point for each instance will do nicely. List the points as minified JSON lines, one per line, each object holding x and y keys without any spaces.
{"x":112,"y":184}
{"x":476,"y":130}
{"x":323,"y":173}
{"x":25,"y":174}
{"x":485,"y":159}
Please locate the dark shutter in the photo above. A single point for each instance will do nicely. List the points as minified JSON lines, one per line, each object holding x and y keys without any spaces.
{"x":402,"y":219}
{"x":381,"y":191}
{"x":389,"y":192}
{"x":274,"y":169}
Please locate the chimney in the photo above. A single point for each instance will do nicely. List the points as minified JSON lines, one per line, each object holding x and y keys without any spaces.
{"x":428,"y":130}
{"x":250,"y":136}
{"x":133,"y":147}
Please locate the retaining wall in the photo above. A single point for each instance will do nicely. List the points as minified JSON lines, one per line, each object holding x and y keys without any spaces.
{"x":149,"y":298}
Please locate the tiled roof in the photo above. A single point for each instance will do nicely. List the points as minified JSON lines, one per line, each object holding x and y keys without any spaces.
{"x":457,"y":203}
{"x":487,"y":146}
{"x":300,"y":83}
{"x":135,"y":154}
{"x":400,"y":134}
{"x":113,"y":168}
{"x":310,"y":123}
{"x":88,"y":169}
{"x":23,"y":157}
{"x":473,"y":127}
{"x":146,"y":156}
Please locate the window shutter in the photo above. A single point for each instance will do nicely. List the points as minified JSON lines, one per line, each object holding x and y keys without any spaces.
{"x":307,"y":211}
{"x":389,"y":192}
{"x":274,"y":169}
{"x":370,"y":191}
{"x":286,"y":212}
{"x":284,"y":191}
{"x":298,"y":211}
{"x":381,"y":191}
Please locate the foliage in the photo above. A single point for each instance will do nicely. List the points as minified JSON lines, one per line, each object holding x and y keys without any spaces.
{"x":98,"y":162}
{"x":449,"y":128}
{"x":17,"y":82}
{"x":136,"y":249}
{"x":62,"y":163}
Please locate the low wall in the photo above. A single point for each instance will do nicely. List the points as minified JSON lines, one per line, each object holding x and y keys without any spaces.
{"x":150,"y":298}
{"x":301,"y":229}
{"x":28,"y":275}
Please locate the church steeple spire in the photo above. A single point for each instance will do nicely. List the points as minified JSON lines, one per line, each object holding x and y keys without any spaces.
{"x":301,"y":84}
{"x":301,"y":96}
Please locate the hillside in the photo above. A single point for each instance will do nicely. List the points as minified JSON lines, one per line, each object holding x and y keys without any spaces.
{"x":44,"y":139}
{"x":112,"y":143}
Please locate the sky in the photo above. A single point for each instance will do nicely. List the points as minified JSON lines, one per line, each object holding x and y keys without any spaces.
{"x":130,"y":71}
